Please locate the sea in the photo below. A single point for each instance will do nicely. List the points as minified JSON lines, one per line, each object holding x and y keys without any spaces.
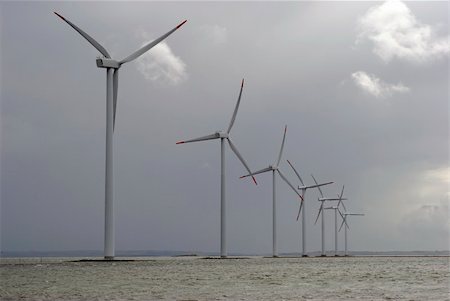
{"x":237,"y":278}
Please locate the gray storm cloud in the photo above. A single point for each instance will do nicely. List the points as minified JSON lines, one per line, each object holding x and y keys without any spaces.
{"x":393,"y":159}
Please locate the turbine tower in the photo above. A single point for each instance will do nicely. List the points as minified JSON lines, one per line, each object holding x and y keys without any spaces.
{"x":224,"y":136}
{"x":274,"y":168}
{"x":322,"y":199}
{"x":346,"y":226}
{"x":112,"y":81}
{"x":303,"y":188}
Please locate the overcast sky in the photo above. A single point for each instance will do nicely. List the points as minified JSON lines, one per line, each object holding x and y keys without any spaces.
{"x":362,"y":87}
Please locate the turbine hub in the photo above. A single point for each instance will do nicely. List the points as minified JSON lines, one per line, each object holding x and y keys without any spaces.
{"x":222,"y":134}
{"x":107,"y":63}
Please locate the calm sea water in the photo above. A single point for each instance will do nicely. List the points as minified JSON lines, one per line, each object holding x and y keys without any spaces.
{"x":255,"y":278}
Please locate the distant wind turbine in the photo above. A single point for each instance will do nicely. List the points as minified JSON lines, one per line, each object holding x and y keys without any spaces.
{"x":346,"y":226}
{"x":336,"y":211}
{"x":322,"y":199}
{"x":274,"y":168}
{"x":112,"y":82}
{"x":224,"y":136}
{"x":303,"y":188}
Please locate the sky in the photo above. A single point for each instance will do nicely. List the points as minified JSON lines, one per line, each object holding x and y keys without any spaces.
{"x":361,"y":86}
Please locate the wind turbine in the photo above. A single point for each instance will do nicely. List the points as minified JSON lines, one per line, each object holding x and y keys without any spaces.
{"x":322,"y":199}
{"x":336,"y":211}
{"x":224,"y":136}
{"x":274,"y":168}
{"x":112,"y":81}
{"x":303,"y":188}
{"x":346,"y":226}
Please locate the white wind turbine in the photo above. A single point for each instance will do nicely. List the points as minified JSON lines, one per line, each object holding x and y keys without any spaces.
{"x":303,"y":188}
{"x":322,"y":199}
{"x":112,"y":81}
{"x":336,"y":211}
{"x":274,"y":168}
{"x":346,"y":226}
{"x":224,"y":136}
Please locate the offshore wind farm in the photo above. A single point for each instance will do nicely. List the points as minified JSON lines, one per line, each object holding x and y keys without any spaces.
{"x":362,"y":211}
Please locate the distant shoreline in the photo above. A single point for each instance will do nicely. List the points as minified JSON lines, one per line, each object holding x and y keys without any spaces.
{"x":135,"y":259}
{"x":150,"y":253}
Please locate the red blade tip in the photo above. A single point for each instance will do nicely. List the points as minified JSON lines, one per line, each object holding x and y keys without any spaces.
{"x":59,"y":15}
{"x":181,"y":24}
{"x":180,"y":142}
{"x":242,"y":177}
{"x":285,"y":128}
{"x":242,"y":83}
{"x":254,"y":180}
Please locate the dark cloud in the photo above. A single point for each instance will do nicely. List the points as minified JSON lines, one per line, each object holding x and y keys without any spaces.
{"x":297,"y":59}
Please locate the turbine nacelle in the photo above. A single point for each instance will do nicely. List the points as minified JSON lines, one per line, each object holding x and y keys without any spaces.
{"x":107,"y":63}
{"x":273,"y":167}
{"x":221,"y":134}
{"x":331,"y":199}
{"x":332,"y":207}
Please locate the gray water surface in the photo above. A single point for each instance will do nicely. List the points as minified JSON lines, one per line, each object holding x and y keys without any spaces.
{"x":254,"y":278}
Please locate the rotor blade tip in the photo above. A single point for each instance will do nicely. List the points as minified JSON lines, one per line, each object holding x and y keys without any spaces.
{"x":242,"y":83}
{"x":180,"y":142}
{"x":59,"y":15}
{"x":285,"y":128}
{"x":181,"y":24}
{"x":254,"y":180}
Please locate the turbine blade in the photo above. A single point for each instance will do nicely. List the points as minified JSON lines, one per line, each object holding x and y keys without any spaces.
{"x":149,"y":45}
{"x":282,"y":146}
{"x":86,"y":36}
{"x":343,"y":205}
{"x":289,"y":183}
{"x":342,"y":224}
{"x":318,"y":186}
{"x":320,"y":210}
{"x":341,"y":200}
{"x":342,"y":191}
{"x":300,"y":209}
{"x":301,"y":204}
{"x":115,"y":88}
{"x":208,"y":137}
{"x":236,"y":152}
{"x":298,"y":175}
{"x":236,"y":108}
{"x":258,"y":172}
{"x":343,"y":219}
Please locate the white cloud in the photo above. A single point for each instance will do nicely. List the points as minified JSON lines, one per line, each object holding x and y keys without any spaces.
{"x":396,"y":33}
{"x":215,"y":33}
{"x":375,"y":86}
{"x":161,"y":65}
